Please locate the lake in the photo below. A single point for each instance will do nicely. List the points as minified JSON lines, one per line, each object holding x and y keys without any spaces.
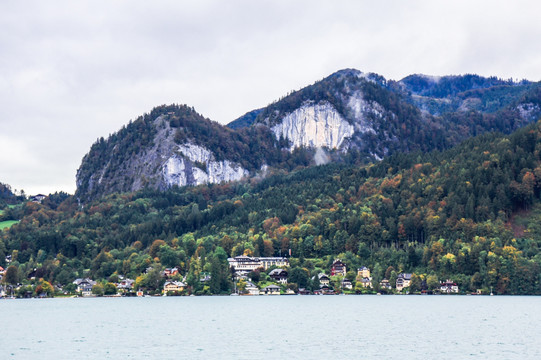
{"x":265,"y":327}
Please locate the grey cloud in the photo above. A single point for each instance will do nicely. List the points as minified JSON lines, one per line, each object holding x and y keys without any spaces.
{"x":71,"y":72}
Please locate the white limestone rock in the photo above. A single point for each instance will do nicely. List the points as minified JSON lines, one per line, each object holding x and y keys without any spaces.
{"x":359,"y":108}
{"x":314,"y":125}
{"x":183,"y":168}
{"x":528,"y":111}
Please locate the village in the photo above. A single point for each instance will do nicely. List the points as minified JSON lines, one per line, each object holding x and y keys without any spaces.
{"x":252,"y":276}
{"x":335,"y":282}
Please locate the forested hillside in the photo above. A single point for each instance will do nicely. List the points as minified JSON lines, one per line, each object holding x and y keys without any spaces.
{"x":6,"y":195}
{"x":469,"y":214}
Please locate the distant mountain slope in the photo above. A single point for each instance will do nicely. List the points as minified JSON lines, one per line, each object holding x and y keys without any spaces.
{"x":438,"y":95}
{"x":348,"y":116}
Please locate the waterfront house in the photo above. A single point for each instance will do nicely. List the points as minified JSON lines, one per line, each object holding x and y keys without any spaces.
{"x":251,"y":289}
{"x":279,"y":275}
{"x":363,"y":277}
{"x":338,"y":268}
{"x":303,"y":291}
{"x":84,"y":286}
{"x":270,"y":290}
{"x":449,"y":287}
{"x":326,"y":290}
{"x":403,"y":281}
{"x":125,"y":285}
{"x":174,"y":286}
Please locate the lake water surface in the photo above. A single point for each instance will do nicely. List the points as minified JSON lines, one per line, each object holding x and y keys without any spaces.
{"x":264,"y":327}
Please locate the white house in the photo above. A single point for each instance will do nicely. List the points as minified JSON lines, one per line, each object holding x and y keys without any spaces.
{"x":251,"y":288}
{"x":84,"y":286}
{"x":403,"y":281}
{"x":449,"y":287}
{"x":270,"y":290}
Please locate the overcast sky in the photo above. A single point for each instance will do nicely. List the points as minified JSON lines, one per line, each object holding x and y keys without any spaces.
{"x":72,"y":71}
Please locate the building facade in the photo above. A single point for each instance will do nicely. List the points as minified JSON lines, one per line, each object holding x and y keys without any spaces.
{"x":403,"y":281}
{"x":245,"y":264}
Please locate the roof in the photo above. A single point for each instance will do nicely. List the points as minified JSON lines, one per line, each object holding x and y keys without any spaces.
{"x":243,"y":258}
{"x":250,"y":284}
{"x":270,"y":287}
{"x":405,"y":276}
{"x":273,"y":259}
{"x":85,"y":280}
{"x":278,"y":272}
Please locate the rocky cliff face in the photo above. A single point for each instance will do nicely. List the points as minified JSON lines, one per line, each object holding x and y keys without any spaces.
{"x":324,"y":116}
{"x":314,"y":126}
{"x":118,"y":165}
{"x":194,"y":165}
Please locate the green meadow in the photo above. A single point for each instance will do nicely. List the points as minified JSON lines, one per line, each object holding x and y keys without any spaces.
{"x":7,"y":224}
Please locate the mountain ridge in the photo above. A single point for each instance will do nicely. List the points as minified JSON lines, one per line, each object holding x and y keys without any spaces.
{"x":349,"y":116}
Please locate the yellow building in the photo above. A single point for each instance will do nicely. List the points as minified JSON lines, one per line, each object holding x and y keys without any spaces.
{"x":363,"y":272}
{"x":173,"y":286}
{"x":267,"y":262}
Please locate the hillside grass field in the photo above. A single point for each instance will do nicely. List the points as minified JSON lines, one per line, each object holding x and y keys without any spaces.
{"x":7,"y":224}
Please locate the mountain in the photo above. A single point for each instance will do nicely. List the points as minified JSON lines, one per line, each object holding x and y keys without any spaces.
{"x":173,"y":145}
{"x":441,"y":94}
{"x":470,"y":214}
{"x":349,"y":116}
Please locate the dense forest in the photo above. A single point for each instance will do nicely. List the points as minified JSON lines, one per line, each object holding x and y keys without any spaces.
{"x":6,"y":195}
{"x":469,"y":214}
